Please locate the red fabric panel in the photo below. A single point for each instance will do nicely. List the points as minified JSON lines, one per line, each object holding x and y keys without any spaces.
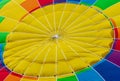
{"x":18,"y":75}
{"x":117,"y":44}
{"x":45,"y":2}
{"x":3,"y":74}
{"x":116,"y":32}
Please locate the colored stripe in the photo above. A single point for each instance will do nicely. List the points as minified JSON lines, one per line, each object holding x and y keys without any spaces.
{"x":118,"y":31}
{"x":88,"y":2}
{"x":71,"y":78}
{"x":103,"y":4}
{"x":3,"y":74}
{"x":108,"y":71}
{"x":117,"y":45}
{"x":45,"y":2}
{"x":115,"y":57}
{"x":2,"y":46}
{"x":89,"y":75}
{"x":3,"y":2}
{"x":16,"y":74}
{"x":1,"y":56}
{"x":3,"y":36}
{"x":111,"y":52}
{"x":24,"y":16}
{"x":13,"y":77}
{"x":113,"y":22}
{"x":1,"y":65}
{"x":74,"y":1}
{"x":1,"y":60}
{"x":30,"y":5}
{"x":1,"y":18}
{"x":59,"y":1}
{"x":114,"y":43}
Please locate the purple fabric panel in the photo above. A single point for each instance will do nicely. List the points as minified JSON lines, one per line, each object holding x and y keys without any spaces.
{"x":59,"y":1}
{"x":1,"y":64}
{"x":115,"y":57}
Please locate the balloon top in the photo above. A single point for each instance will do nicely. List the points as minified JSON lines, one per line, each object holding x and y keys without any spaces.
{"x":56,"y":36}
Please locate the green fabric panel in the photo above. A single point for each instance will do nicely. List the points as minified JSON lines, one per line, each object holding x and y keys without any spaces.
{"x":3,"y":36}
{"x":86,"y":69}
{"x":3,"y":2}
{"x":85,"y":4}
{"x":71,"y":78}
{"x":103,"y":4}
{"x":1,"y":18}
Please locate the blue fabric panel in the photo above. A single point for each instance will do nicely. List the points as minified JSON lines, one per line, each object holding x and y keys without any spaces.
{"x":1,"y":60}
{"x":1,"y":47}
{"x":74,"y":1}
{"x":1,"y":64}
{"x":108,"y":70}
{"x":1,"y":55}
{"x":89,"y":75}
{"x":88,"y":1}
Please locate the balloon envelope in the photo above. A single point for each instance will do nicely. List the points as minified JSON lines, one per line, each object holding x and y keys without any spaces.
{"x":59,"y":40}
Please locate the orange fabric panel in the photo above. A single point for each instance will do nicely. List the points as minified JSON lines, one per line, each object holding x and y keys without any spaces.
{"x":13,"y":77}
{"x":118,"y":32}
{"x":30,"y":5}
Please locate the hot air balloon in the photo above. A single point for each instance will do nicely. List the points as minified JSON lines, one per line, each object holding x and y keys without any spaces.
{"x":59,"y":40}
